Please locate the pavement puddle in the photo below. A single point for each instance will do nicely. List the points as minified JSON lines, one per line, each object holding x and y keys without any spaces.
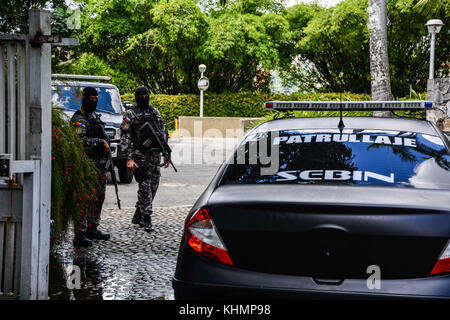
{"x":132,"y":265}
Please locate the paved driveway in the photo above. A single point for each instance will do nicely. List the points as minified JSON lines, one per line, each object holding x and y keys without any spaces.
{"x":196,"y":161}
{"x":134,"y":264}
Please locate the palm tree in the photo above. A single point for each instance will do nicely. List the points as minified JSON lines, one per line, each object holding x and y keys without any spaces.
{"x":379,"y":60}
{"x":433,"y":6}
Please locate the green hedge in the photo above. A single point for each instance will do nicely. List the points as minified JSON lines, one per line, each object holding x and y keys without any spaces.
{"x":243,"y":104}
{"x":74,"y":175}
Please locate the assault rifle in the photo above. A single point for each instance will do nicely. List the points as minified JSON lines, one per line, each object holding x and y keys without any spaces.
{"x":154,"y":138}
{"x":161,"y":144}
{"x":110,"y":168}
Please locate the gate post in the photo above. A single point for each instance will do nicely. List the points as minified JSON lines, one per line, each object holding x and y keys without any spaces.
{"x":39,"y":133}
{"x":29,"y":281}
{"x":28,"y":118}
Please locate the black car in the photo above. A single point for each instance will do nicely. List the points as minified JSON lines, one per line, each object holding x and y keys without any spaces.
{"x":357,"y":212}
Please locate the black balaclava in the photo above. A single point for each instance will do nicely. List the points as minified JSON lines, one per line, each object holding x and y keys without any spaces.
{"x":87,"y":103}
{"x":140,"y":100}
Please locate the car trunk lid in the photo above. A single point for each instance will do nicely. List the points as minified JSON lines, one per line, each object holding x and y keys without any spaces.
{"x":330,"y":232}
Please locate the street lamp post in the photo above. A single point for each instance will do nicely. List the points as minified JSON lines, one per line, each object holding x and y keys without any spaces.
{"x":203,"y":84}
{"x":434,"y":26}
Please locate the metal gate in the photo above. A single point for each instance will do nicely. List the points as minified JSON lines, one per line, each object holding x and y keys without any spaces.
{"x":25,"y":158}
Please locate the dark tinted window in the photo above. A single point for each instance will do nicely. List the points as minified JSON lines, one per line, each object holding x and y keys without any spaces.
{"x":357,"y":157}
{"x":69,"y":97}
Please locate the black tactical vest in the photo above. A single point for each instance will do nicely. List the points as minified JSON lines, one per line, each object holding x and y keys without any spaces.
{"x":96,"y":129}
{"x":147,"y":115}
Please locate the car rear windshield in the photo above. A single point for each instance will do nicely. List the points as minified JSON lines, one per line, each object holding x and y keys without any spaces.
{"x":69,"y":97}
{"x":353,"y":157}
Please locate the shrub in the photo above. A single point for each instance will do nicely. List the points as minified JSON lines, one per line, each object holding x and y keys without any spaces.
{"x":74,"y":175}
{"x":243,"y":104}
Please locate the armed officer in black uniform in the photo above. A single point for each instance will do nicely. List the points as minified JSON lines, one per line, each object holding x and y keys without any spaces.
{"x":144,"y":158}
{"x":90,"y":128}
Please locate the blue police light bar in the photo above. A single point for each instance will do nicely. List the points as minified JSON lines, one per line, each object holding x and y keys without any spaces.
{"x":347,"y":105}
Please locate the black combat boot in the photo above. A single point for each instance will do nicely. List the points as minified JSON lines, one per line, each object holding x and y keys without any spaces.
{"x":147,"y":219}
{"x":97,"y":234}
{"x":81,"y":240}
{"x":141,"y":221}
{"x":137,"y":218}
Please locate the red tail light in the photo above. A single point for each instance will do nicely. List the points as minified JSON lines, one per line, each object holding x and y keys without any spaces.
{"x":443,"y":264}
{"x":202,"y":236}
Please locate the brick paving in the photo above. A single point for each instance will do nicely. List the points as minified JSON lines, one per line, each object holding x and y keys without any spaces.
{"x":133,"y":264}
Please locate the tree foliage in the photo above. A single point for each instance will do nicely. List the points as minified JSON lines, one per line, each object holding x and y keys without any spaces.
{"x":14,"y":13}
{"x":433,"y":6}
{"x":160,"y":43}
{"x":409,"y":45}
{"x":335,"y":40}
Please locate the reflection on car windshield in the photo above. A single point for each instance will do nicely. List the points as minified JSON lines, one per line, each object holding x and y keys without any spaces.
{"x":355,"y":157}
{"x":69,"y":97}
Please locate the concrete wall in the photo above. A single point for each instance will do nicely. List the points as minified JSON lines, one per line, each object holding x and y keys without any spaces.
{"x":438,"y":91}
{"x":226,"y":127}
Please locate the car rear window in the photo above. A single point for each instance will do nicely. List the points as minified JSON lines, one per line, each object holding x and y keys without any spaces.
{"x":69,"y":97}
{"x":353,"y":157}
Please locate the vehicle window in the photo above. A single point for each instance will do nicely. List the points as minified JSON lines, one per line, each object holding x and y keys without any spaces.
{"x":355,"y":157}
{"x":69,"y":97}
